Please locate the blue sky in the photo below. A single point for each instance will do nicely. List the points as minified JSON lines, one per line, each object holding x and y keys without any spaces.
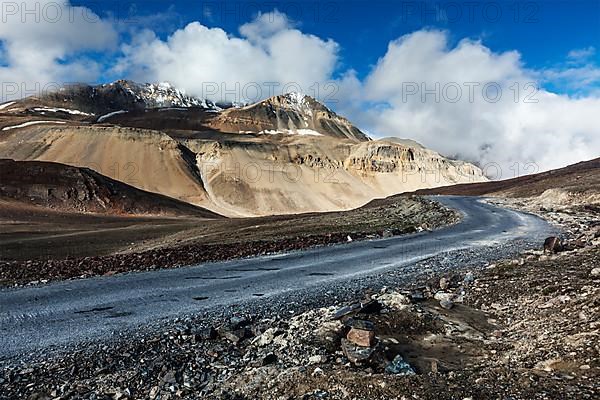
{"x":544,"y":32}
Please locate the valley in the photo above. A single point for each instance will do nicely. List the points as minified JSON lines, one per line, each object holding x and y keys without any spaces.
{"x":177,"y":247}
{"x":299,"y":200}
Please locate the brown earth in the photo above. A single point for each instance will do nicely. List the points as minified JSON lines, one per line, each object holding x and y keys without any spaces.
{"x":521,"y":329}
{"x":80,"y":190}
{"x":38,"y":244}
{"x":581,"y":179}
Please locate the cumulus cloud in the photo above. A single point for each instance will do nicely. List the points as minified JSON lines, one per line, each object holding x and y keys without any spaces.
{"x":473,"y":103}
{"x":209,"y":62}
{"x":463,"y":100}
{"x":43,"y":44}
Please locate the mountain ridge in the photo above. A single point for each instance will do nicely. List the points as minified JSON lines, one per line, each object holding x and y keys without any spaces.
{"x":287,"y":154}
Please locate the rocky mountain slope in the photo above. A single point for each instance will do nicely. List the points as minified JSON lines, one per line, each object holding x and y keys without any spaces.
{"x":64,"y":188}
{"x":288,"y":154}
{"x":576,"y":183}
{"x":294,"y":113}
{"x":96,"y":101}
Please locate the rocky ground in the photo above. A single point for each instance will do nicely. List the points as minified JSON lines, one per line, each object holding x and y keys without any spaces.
{"x":522,"y":328}
{"x":150,"y":245}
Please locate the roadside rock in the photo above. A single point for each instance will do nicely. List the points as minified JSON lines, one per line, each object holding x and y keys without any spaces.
{"x":361,"y":337}
{"x":318,"y":359}
{"x":399,"y":367}
{"x":446,"y":304}
{"x":439,"y":296}
{"x":553,"y":245}
{"x":444,"y":283}
{"x":356,"y":354}
{"x":361,"y":332}
{"x":394,"y":300}
{"x":345,"y":311}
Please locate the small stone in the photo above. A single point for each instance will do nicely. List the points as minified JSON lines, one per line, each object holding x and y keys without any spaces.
{"x":269,"y":359}
{"x":434,"y":366}
{"x":446,"y":304}
{"x":595,"y":272}
{"x":417,"y":295}
{"x":169,"y":377}
{"x":399,"y":367}
{"x":444,"y":283}
{"x":237,"y":322}
{"x":265,"y":338}
{"x":206,"y":334}
{"x":234,"y":336}
{"x":469,"y":278}
{"x":394,"y":300}
{"x":154,"y":392}
{"x":320,"y":394}
{"x":439,"y":296}
{"x":318,"y":359}
{"x":360,"y":324}
{"x":370,"y":307}
{"x":553,"y":245}
{"x":344,"y":311}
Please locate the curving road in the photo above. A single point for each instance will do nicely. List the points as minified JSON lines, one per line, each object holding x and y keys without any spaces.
{"x":59,"y":314}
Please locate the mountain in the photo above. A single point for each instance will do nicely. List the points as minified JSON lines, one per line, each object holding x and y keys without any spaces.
{"x":284,"y":155}
{"x":580,"y":180}
{"x":291,"y":113}
{"x":405,"y":142}
{"x":70,"y":189}
{"x":113,"y":97}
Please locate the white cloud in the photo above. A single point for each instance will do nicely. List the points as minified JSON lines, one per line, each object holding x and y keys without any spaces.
{"x":196,"y":58}
{"x":578,"y":75}
{"x":555,"y":131}
{"x":578,"y":56}
{"x":42,"y":43}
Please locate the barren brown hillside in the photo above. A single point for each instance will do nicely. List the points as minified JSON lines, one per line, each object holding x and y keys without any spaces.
{"x":70,"y":189}
{"x":582,"y":178}
{"x":288,"y":154}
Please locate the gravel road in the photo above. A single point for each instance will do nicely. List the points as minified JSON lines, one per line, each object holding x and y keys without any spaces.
{"x":59,"y":315}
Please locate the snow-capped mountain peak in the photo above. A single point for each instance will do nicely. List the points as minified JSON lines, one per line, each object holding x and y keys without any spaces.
{"x":163,"y":94}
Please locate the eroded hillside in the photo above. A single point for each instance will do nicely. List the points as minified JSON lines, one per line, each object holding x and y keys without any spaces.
{"x":285,"y":155}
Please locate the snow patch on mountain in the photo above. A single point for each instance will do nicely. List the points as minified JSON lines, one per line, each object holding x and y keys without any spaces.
{"x":6,"y":105}
{"x":112,"y":114}
{"x":298,"y":102}
{"x":300,"y":132}
{"x":65,"y":110}
{"x":26,"y":124}
{"x":163,"y":95}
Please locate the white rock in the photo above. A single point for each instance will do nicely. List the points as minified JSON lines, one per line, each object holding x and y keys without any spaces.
{"x":318,"y":359}
{"x":394,"y":300}
{"x":439,"y":296}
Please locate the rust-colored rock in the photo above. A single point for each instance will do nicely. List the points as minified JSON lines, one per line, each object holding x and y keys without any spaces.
{"x":361,"y":337}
